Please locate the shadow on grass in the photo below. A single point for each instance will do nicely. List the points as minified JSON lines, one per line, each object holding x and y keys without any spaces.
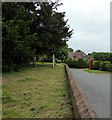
{"x":38,"y":64}
{"x":43,"y":64}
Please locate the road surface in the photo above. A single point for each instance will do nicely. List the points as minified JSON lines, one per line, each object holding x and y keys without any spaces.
{"x":97,"y":90}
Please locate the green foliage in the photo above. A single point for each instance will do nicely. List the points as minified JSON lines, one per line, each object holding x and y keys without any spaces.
{"x":103,"y":65}
{"x":101,"y":56}
{"x":29,"y":32}
{"x":59,"y":61}
{"x":78,"y":51}
{"x":77,"y":64}
{"x":16,"y":39}
{"x":48,"y":59}
{"x":52,"y":29}
{"x":71,"y":63}
{"x":10,"y":67}
{"x":70,"y":50}
{"x":109,"y":67}
{"x":96,"y":65}
{"x":111,"y":57}
{"x":63,"y":53}
{"x":82,"y":63}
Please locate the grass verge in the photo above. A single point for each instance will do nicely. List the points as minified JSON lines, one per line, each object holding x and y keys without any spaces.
{"x":40,"y":92}
{"x":94,"y":71}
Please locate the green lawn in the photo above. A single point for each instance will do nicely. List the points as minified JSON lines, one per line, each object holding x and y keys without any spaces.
{"x":94,"y":71}
{"x":40,"y":92}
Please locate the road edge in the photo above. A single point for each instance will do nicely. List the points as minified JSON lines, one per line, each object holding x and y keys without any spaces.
{"x":81,"y":106}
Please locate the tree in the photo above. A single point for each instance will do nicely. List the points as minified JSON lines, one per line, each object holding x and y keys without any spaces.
{"x":101,"y":56}
{"x":70,"y":49}
{"x":78,"y":51}
{"x":31,"y":29}
{"x":52,"y":29}
{"x":16,"y":36}
{"x":63,"y":53}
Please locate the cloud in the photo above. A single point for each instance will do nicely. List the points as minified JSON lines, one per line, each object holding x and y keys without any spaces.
{"x":90,"y":21}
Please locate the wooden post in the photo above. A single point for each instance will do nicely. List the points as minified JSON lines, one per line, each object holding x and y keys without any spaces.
{"x":53,"y":60}
{"x":35,"y":62}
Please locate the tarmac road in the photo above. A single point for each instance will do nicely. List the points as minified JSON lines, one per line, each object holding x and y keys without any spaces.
{"x":96,"y":89}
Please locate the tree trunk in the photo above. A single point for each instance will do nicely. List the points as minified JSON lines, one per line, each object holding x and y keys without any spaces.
{"x":35,"y":62}
{"x":53,"y":60}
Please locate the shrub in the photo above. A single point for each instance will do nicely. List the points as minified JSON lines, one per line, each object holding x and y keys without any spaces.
{"x":103,"y":65}
{"x":11,"y":67}
{"x":5,"y":68}
{"x":48,"y":59}
{"x":82,"y":63}
{"x":77,"y":64}
{"x":109,"y":67}
{"x":59,"y":61}
{"x":96,"y":65}
{"x":70,"y":63}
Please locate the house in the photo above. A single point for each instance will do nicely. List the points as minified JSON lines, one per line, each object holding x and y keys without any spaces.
{"x":76,"y":55}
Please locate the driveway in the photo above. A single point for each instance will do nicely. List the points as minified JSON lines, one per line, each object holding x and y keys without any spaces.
{"x":97,"y":90}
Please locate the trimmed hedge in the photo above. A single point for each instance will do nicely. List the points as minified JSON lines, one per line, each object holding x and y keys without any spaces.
{"x":77,"y":64}
{"x":103,"y":65}
{"x":82,"y":63}
{"x":71,"y":63}
{"x":109,"y":67}
{"x":96,"y":64}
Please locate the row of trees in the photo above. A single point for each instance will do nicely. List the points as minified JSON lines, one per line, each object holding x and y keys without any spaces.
{"x":101,"y":56}
{"x":32,"y":29}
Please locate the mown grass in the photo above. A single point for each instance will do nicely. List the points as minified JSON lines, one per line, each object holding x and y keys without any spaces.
{"x":40,"y":92}
{"x":94,"y":71}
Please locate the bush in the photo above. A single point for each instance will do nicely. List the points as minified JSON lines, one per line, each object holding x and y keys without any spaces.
{"x":96,"y":65}
{"x":103,"y":65}
{"x":48,"y":59}
{"x":59,"y":61}
{"x":109,"y":67}
{"x":82,"y":63}
{"x":5,"y":68}
{"x":70,"y":63}
{"x":11,"y":67}
{"x":77,"y":64}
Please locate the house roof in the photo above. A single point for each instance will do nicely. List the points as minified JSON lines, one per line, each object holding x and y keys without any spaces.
{"x":77,"y":54}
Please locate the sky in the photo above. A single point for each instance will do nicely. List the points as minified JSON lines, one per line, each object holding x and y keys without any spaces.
{"x":90,"y":20}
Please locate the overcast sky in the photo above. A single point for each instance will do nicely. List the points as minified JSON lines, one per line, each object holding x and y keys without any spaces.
{"x":90,"y":20}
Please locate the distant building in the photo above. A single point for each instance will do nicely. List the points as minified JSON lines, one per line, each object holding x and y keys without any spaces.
{"x":76,"y":55}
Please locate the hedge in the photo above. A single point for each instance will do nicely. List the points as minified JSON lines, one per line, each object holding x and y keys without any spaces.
{"x":77,"y":64}
{"x":103,"y":65}
{"x":96,"y":64}
{"x":109,"y":67}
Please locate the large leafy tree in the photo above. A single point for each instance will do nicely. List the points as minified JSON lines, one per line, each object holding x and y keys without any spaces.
{"x":52,"y":29}
{"x":32,"y":28}
{"x":17,"y":37}
{"x":101,"y":56}
{"x":50,"y":26}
